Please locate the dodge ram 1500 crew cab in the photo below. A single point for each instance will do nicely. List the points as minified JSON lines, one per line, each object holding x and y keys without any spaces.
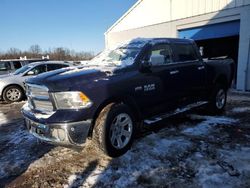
{"x":112,"y":96}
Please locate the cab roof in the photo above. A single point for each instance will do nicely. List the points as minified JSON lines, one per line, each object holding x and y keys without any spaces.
{"x":140,"y":42}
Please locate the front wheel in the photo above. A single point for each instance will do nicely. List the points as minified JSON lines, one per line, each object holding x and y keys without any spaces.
{"x":13,"y":94}
{"x":218,"y":99}
{"x":114,"y":129}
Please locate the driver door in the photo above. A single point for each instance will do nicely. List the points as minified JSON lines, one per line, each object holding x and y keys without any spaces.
{"x":159,"y":82}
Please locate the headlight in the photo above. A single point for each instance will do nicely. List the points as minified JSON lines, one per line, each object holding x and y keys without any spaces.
{"x":71,"y":100}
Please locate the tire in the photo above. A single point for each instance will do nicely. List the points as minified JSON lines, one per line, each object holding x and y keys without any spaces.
{"x":218,"y":100}
{"x":114,"y":130}
{"x":13,"y":94}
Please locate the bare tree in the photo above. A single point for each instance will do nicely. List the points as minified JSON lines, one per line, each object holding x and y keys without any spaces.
{"x":59,"y":53}
{"x":35,"y":49}
{"x":13,"y":53}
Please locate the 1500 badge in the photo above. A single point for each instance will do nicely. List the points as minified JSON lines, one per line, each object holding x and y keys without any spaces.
{"x":149,"y":87}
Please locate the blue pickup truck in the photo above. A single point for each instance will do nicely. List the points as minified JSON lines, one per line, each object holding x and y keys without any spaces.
{"x":111,"y":97}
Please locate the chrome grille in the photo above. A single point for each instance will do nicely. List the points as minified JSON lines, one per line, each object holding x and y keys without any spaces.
{"x":38,"y":98}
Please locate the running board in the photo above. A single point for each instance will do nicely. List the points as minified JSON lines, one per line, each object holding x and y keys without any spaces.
{"x":175,"y":112}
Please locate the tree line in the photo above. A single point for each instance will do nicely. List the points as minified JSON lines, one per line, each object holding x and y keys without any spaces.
{"x":58,"y":53}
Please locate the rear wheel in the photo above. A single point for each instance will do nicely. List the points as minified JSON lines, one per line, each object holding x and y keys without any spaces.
{"x":218,"y":100}
{"x":114,"y":130}
{"x":13,"y":94}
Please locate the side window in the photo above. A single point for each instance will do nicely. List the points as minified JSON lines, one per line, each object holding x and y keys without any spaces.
{"x":185,"y":52}
{"x":17,"y":64}
{"x":25,"y":63}
{"x":51,"y":67}
{"x":37,"y":70}
{"x":160,"y":54}
{"x":5,"y":66}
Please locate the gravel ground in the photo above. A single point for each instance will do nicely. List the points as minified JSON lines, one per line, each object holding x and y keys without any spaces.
{"x":190,"y":150}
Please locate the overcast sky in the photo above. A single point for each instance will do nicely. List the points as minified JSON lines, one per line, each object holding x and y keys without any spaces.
{"x":75,"y":24}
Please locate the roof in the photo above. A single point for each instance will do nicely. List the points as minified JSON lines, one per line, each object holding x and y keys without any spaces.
{"x":140,"y":42}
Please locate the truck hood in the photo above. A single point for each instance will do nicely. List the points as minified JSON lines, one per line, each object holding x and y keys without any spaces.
{"x":67,"y":79}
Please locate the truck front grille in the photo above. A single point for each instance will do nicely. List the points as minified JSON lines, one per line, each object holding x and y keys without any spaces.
{"x":39,"y":98}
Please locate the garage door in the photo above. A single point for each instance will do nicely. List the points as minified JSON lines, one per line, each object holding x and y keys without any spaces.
{"x":211,"y":31}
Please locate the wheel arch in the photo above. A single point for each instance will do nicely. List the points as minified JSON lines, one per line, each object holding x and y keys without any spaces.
{"x":129,"y":101}
{"x":9,"y":85}
{"x":223,"y":80}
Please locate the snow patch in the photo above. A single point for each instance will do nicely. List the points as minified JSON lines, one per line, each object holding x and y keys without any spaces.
{"x":92,"y":178}
{"x":241,"y":109}
{"x":206,"y":126}
{"x":13,"y":161}
{"x":3,"y":118}
{"x":210,"y":174}
{"x":71,"y":181}
{"x":153,"y":151}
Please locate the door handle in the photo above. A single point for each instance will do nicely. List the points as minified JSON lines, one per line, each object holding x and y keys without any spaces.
{"x":201,"y":67}
{"x":174,"y":72}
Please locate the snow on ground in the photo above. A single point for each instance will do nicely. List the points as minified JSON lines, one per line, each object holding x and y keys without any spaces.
{"x":241,"y":109}
{"x":207,"y":125}
{"x":152,"y":152}
{"x":17,"y":146}
{"x":16,"y":157}
{"x":232,"y":165}
{"x":3,"y":119}
{"x":154,"y":155}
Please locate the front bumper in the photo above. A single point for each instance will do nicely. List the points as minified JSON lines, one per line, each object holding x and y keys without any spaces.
{"x":72,"y":134}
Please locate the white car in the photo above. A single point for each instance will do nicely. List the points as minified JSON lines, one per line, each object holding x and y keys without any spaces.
{"x":12,"y":88}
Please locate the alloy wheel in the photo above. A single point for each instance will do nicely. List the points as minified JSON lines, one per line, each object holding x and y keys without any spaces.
{"x":121,"y":131}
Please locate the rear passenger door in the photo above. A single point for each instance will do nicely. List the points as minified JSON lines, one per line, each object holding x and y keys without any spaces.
{"x":191,"y":71}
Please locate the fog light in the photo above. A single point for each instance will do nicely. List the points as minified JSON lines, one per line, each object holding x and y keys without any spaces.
{"x":59,"y":134}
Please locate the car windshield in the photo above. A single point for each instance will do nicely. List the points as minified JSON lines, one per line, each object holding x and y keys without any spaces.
{"x":22,"y":70}
{"x":117,"y":57}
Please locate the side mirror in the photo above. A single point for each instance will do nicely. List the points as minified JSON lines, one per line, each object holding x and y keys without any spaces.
{"x":145,"y":66}
{"x":201,"y":49}
{"x":30,"y":73}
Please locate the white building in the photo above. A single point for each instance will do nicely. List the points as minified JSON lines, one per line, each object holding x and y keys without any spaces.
{"x":222,"y":27}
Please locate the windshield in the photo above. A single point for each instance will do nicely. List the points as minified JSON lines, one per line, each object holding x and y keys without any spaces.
{"x":4,"y":66}
{"x":118,"y":57}
{"x":22,"y":70}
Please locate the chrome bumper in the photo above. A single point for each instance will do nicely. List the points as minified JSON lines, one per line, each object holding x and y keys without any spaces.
{"x":65,"y":134}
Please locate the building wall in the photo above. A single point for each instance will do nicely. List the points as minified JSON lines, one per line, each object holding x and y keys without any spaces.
{"x":170,"y":29}
{"x":243,"y":79}
{"x":150,"y":12}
